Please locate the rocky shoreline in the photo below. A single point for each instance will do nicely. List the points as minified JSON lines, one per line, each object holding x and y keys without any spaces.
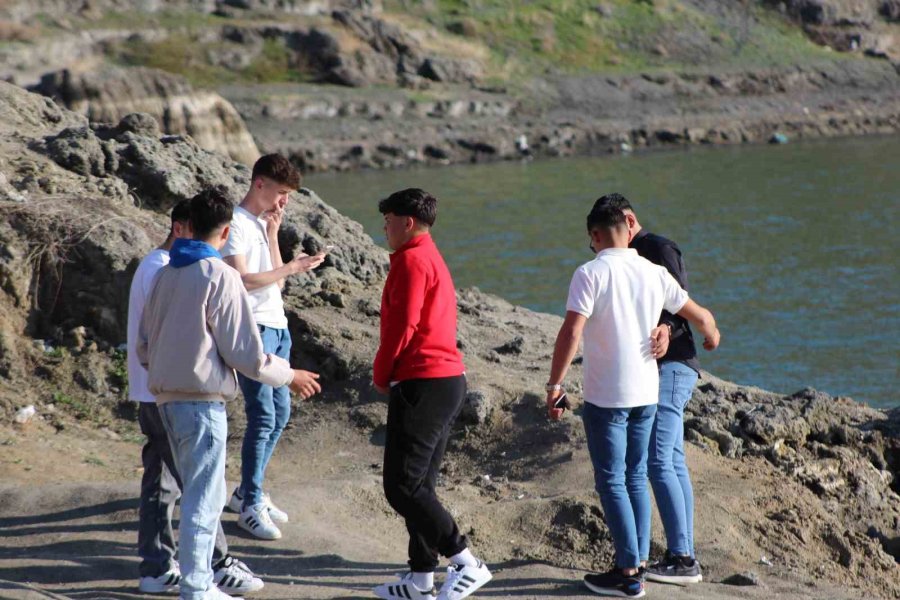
{"x":82,"y":205}
{"x":353,"y":86}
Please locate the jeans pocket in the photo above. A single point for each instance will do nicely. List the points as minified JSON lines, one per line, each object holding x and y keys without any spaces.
{"x":682,"y":389}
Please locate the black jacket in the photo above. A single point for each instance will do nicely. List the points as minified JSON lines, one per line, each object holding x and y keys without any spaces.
{"x":665,"y":252}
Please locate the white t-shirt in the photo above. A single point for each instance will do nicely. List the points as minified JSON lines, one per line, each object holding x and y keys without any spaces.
{"x":622,"y":295}
{"x":248,"y":237}
{"x":141,"y":286}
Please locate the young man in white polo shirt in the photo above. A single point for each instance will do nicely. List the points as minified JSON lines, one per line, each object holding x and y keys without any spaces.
{"x":252,"y":249}
{"x":616,"y":300}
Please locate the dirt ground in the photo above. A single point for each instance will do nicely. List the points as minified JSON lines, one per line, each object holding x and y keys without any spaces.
{"x":68,"y":520}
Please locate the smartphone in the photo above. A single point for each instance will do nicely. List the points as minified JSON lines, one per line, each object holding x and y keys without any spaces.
{"x":562,"y":402}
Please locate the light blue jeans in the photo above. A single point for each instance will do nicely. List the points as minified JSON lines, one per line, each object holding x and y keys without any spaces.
{"x":268,"y":410}
{"x":668,"y":471}
{"x":617,"y":441}
{"x":197,"y":433}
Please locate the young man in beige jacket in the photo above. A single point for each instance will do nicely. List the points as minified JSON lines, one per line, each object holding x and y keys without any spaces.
{"x":197,"y":328}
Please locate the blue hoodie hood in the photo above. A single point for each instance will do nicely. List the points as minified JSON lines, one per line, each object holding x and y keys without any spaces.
{"x":187,"y":252}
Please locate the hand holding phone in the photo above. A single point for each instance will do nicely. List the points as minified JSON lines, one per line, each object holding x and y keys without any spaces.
{"x":562,"y":402}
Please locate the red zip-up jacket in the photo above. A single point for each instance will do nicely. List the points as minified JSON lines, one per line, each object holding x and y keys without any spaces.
{"x":418,"y":317}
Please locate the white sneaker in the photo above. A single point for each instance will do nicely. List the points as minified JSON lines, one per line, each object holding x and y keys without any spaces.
{"x":167,"y":583}
{"x":214,"y":593}
{"x":463,"y":581}
{"x":236,"y":502}
{"x":233,"y":576}
{"x":402,"y":588}
{"x":256,"y":520}
{"x":278,"y":515}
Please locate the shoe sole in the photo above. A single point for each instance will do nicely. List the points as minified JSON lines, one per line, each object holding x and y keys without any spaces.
{"x":156,"y":588}
{"x":246,"y":528}
{"x":242,"y":590}
{"x":681,"y":580}
{"x":613,"y":593}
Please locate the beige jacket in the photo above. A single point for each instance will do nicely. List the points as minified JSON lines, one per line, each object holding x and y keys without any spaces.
{"x":196,"y":329}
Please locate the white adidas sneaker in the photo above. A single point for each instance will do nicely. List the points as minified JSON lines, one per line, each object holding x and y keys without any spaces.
{"x":463,"y":581}
{"x":256,"y":520}
{"x":402,"y":588}
{"x":234,"y":577}
{"x":278,"y":515}
{"x":167,"y":583}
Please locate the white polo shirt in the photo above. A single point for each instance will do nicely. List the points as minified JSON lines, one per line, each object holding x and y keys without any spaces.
{"x":248,"y":237}
{"x":622,"y":295}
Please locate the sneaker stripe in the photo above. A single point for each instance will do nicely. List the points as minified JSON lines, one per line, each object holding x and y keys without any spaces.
{"x":467,"y":578}
{"x":170,"y":579}
{"x":406,"y":592}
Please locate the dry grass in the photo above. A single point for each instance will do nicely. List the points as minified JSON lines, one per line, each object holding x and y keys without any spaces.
{"x":16,"y":32}
{"x":51,"y":227}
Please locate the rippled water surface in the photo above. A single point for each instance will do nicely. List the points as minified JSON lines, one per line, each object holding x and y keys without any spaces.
{"x":795,"y":248}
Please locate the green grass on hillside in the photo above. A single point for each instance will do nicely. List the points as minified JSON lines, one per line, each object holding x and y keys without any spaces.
{"x":527,"y":36}
{"x":182,"y":54}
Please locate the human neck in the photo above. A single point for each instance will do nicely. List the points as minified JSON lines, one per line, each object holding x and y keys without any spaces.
{"x":252,"y":204}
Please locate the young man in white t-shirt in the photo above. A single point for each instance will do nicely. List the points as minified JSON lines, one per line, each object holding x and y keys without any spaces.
{"x":615,"y":301}
{"x":252,"y":249}
{"x":160,"y":483}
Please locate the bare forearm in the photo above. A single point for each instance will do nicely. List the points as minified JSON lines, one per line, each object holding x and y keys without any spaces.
{"x":704,"y":322}
{"x":566,"y":346}
{"x":275,"y":253}
{"x":254,"y":281}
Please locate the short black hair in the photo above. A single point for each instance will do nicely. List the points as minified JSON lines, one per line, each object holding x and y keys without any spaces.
{"x":614,"y":200}
{"x":411,"y":202}
{"x":605,"y":217}
{"x":181,"y":212}
{"x":210,"y":210}
{"x":278,"y":169}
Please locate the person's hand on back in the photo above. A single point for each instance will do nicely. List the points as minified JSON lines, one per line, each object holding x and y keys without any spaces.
{"x":659,"y":341}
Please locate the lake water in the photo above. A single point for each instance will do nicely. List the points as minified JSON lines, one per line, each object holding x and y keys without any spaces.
{"x":794,"y":248}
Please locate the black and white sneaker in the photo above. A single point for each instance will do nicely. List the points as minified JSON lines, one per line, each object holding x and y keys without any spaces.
{"x":167,"y":583}
{"x":256,"y":520}
{"x":463,"y":581}
{"x":678,"y":570}
{"x":403,"y":589}
{"x":232,"y":576}
{"x":614,"y":583}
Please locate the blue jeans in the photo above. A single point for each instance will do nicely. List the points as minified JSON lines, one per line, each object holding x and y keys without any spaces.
{"x":197,"y":433}
{"x":617,"y":441}
{"x":268,"y":410}
{"x":668,"y":472}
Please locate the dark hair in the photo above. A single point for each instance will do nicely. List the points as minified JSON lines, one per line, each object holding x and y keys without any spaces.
{"x":614,"y":200}
{"x":411,"y":202}
{"x":210,"y":210}
{"x":278,"y":169}
{"x":181,"y":212}
{"x":605,"y":217}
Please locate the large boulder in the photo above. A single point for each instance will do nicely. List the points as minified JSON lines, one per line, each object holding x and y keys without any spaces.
{"x":107,"y":95}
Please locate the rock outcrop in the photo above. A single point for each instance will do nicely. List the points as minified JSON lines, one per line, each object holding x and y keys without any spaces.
{"x":107,"y":95}
{"x":827,"y":466}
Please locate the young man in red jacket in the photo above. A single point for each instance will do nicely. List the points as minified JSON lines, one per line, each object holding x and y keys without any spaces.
{"x":420,"y":368}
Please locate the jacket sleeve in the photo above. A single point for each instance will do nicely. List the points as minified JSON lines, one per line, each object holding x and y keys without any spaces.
{"x":405,"y":296}
{"x":230,"y":321}
{"x":670,"y":256}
